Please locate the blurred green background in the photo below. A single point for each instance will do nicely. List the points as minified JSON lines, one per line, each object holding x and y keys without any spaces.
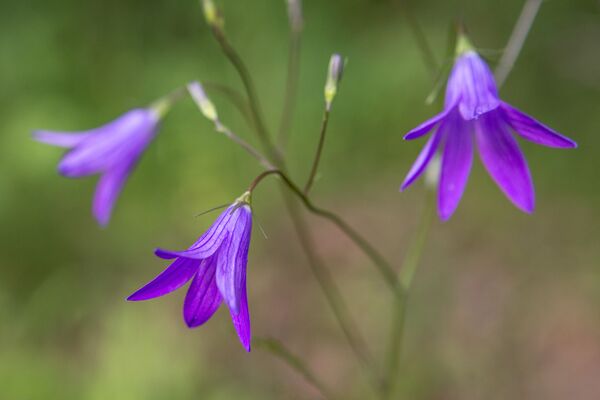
{"x":505,"y":305}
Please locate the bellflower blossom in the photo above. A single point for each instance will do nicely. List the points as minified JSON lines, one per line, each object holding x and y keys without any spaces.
{"x":216,"y":265}
{"x":112,"y":151}
{"x":473,"y":112}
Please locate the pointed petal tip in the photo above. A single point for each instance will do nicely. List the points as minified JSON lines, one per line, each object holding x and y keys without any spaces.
{"x":136,"y":297}
{"x":191,"y":323}
{"x":164,"y":254}
{"x":444,"y":215}
{"x":102,"y":219}
{"x":527,"y":208}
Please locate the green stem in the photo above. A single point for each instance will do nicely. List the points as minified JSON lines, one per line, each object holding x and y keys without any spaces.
{"x":235,"y":97}
{"x":317,"y":159}
{"x":327,"y":285}
{"x":384,"y":268}
{"x":293,"y":74}
{"x":333,"y":296}
{"x":407,"y":273}
{"x":420,"y":38}
{"x":255,"y":108}
{"x":517,"y":39}
{"x":276,"y":348}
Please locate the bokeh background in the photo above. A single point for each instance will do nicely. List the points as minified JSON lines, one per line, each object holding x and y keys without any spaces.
{"x":504,"y":305}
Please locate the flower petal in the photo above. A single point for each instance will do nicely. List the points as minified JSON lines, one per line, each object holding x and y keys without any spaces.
{"x":422,"y":160}
{"x":241,"y":320}
{"x":108,"y":189}
{"x":207,"y":244}
{"x":504,"y":161}
{"x":534,"y":131}
{"x":456,"y":163}
{"x":426,"y":126}
{"x":171,"y":279}
{"x":203,"y":298}
{"x":120,"y":141}
{"x":60,"y":139}
{"x":472,"y":85}
{"x":233,"y":259}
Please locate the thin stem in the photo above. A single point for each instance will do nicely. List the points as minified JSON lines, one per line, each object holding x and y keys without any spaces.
{"x":422,"y":42}
{"x":327,"y":285}
{"x":384,"y":268}
{"x":517,"y":39}
{"x":411,"y":262}
{"x":293,"y":73}
{"x":236,"y":98}
{"x":277,"y":349}
{"x":333,"y":296}
{"x":242,"y":143}
{"x":317,"y":159}
{"x":246,"y":78}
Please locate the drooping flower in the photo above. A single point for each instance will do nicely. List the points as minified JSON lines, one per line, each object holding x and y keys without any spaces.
{"x":111,"y":151}
{"x":216,"y":265}
{"x":473,"y":112}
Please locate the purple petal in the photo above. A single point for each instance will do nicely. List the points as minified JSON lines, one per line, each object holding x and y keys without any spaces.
{"x":456,"y":164}
{"x":121,"y":141}
{"x":171,"y":279}
{"x":233,"y":259}
{"x":472,"y":85}
{"x":207,"y":244}
{"x":241,"y":320}
{"x":533,"y":130}
{"x":426,"y":126}
{"x":203,"y":298}
{"x":107,"y":191}
{"x":60,"y":139}
{"x":422,"y":160}
{"x":504,"y":161}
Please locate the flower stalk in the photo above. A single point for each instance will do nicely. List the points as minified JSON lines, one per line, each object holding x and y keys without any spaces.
{"x":278,"y":349}
{"x":296,"y":23}
{"x":334,"y":77}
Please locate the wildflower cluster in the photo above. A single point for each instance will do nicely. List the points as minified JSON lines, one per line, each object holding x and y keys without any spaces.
{"x":473,"y":118}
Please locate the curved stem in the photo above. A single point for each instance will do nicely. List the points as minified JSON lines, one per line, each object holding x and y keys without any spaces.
{"x":517,"y":39}
{"x":277,"y":349}
{"x":327,"y":284}
{"x":384,"y":268}
{"x":317,"y":159}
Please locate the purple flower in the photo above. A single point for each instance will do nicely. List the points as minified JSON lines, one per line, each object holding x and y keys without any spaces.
{"x":473,"y":112}
{"x":111,"y":151}
{"x":216,"y":265}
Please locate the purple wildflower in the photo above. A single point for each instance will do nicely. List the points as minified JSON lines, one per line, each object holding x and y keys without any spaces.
{"x":473,"y":111}
{"x":216,"y":264}
{"x":111,"y":151}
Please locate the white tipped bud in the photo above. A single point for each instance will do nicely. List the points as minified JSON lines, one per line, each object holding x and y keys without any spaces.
{"x":295,"y":14}
{"x":334,"y":76}
{"x":432,"y":173}
{"x":206,"y":106}
{"x":211,"y":13}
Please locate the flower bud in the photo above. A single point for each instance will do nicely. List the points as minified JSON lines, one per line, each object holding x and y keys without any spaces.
{"x":206,"y":106}
{"x":334,"y":76}
{"x":211,"y":14}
